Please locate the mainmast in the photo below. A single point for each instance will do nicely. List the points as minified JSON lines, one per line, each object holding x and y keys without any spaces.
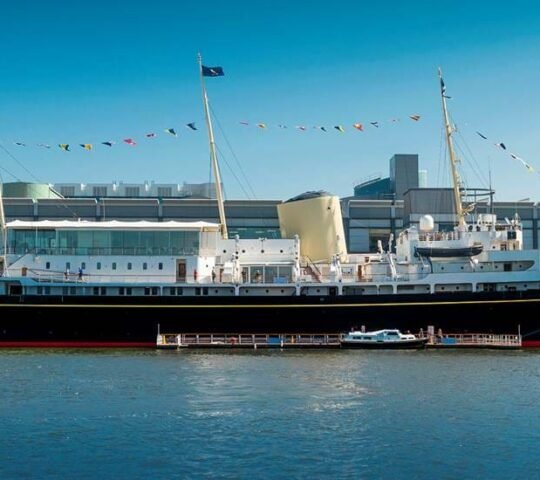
{"x":213,"y":156}
{"x":460,"y":211}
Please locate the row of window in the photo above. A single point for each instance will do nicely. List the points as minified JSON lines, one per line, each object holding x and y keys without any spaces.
{"x":114,"y":266}
{"x":103,"y":242}
{"x":123,"y":291}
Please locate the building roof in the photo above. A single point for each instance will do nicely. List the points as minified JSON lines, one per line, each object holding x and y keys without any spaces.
{"x":111,"y":225}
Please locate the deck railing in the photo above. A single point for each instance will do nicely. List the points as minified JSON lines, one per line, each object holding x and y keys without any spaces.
{"x":475,"y":339}
{"x":247,"y":339}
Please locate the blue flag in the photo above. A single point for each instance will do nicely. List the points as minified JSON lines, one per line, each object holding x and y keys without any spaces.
{"x":212,"y":71}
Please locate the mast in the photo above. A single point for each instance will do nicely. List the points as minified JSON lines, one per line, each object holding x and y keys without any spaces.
{"x":213,"y":156}
{"x":460,"y":211}
{"x":3,"y":229}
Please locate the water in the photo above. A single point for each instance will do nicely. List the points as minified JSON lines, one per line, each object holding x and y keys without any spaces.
{"x":269,"y":414}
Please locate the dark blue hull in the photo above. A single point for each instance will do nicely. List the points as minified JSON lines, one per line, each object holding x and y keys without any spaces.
{"x":135,"y":321}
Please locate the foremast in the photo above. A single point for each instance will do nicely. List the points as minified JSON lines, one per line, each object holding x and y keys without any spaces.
{"x":456,"y":180}
{"x":213,"y":156}
{"x":3,"y":232}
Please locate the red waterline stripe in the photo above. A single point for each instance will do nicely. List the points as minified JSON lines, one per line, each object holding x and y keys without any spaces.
{"x":531,"y":343}
{"x":60,"y":344}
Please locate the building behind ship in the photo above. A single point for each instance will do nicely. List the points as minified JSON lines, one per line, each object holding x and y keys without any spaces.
{"x":378,"y":207}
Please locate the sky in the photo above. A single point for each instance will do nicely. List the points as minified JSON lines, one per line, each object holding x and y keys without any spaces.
{"x":88,"y":72}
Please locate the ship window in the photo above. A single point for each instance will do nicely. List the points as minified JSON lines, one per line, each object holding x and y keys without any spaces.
{"x":48,"y":265}
{"x":64,"y":290}
{"x":98,"y":266}
{"x":145,"y":266}
{"x":205,"y":291}
{"x":507,"y":267}
{"x":160,"y":266}
{"x":83,"y":265}
{"x":146,"y":290}
{"x":114,"y":265}
{"x":103,"y":291}
{"x":68,"y":266}
{"x":154,"y":290}
{"x":129,"y":265}
{"x":47,"y":290}
{"x":128,"y":291}
{"x":96,"y":290}
{"x":121,"y":291}
{"x":40,"y":290}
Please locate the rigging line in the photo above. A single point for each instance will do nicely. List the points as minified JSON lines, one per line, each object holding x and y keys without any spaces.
{"x":472,"y":160}
{"x":20,"y":164}
{"x":232,"y":171}
{"x":63,"y":204}
{"x":11,"y":174}
{"x":232,"y":152}
{"x":472,"y":155}
{"x":472,"y":164}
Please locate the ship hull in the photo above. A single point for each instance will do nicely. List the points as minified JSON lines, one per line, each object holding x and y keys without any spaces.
{"x":32,"y":321}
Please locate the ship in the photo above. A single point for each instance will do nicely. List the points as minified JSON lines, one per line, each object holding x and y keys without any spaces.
{"x":76,"y":283}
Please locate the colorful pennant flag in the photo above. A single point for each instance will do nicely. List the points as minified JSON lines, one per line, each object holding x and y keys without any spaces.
{"x":301,"y":127}
{"x":443,"y":89}
{"x":322,"y":128}
{"x":150,"y":135}
{"x":414,"y":117}
{"x":109,"y":144}
{"x":261,"y":125}
{"x":191,"y":125}
{"x":340,"y":128}
{"x":482,"y":136}
{"x":375,"y":124}
{"x":501,"y":145}
{"x":64,"y":146}
{"x":44,"y":145}
{"x":212,"y":71}
{"x":359,"y":127}
{"x":172,"y":131}
{"x":528,"y":167}
{"x":130,"y":141}
{"x":515,"y":157}
{"x":86,"y":146}
{"x":20,"y":144}
{"x":244,"y":123}
{"x":282,"y":126}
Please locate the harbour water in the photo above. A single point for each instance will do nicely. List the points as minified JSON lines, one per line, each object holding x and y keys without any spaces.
{"x":269,"y":414}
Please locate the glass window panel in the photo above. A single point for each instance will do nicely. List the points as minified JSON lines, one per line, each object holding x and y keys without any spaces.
{"x":191,"y":242}
{"x":177,"y":243}
{"x":270,"y":274}
{"x":161,"y":243}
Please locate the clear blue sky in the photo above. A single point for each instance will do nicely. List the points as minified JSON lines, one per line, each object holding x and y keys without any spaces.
{"x":86,"y":72}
